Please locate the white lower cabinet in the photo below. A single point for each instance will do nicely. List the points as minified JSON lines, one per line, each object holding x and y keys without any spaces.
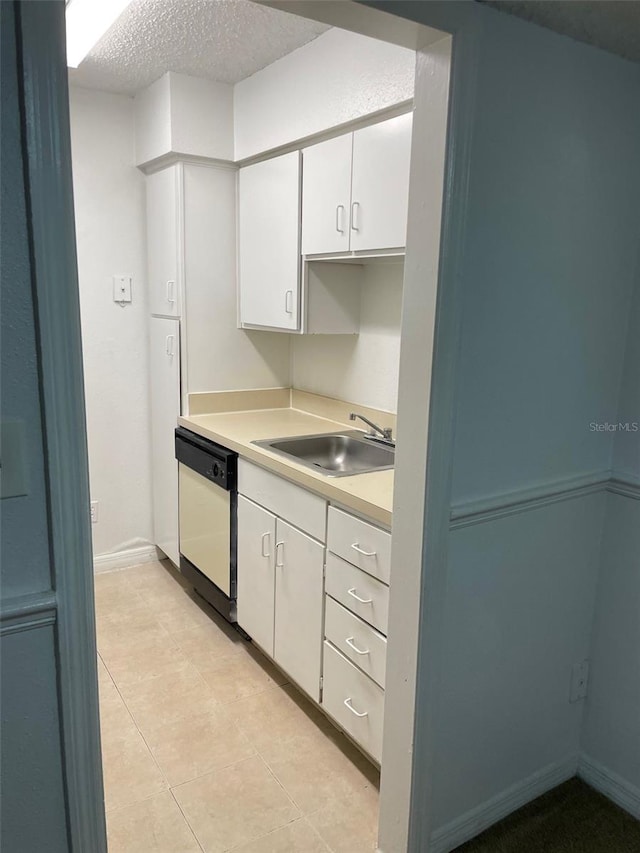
{"x":354,"y":701}
{"x":321,"y":618}
{"x":298,"y":615}
{"x":256,"y":572}
{"x":359,"y":642}
{"x":281,"y":572}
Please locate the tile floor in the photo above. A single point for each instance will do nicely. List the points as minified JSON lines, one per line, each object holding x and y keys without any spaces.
{"x":205,"y":746}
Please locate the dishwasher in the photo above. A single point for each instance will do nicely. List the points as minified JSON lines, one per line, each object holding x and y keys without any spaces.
{"x":208,"y":508}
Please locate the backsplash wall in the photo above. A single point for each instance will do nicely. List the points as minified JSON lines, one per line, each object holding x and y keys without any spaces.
{"x":358,"y":368}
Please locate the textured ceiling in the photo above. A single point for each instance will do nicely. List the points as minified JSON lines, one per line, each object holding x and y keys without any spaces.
{"x":613,"y":25}
{"x":223,"y":40}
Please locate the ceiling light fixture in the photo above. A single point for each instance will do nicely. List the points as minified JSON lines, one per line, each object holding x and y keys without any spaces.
{"x":87,"y":21}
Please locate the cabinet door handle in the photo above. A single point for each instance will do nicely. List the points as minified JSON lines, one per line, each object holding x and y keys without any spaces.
{"x":288,"y":302}
{"x":340,"y":218}
{"x":356,"y":547}
{"x":279,"y":565}
{"x":264,"y":536}
{"x":351,"y":644}
{"x":347,"y":702}
{"x":171,"y":291}
{"x":352,"y":592}
{"x":355,"y":210}
{"x":169,"y":345}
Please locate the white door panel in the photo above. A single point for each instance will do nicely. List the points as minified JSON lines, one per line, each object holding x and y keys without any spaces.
{"x":299,"y":602}
{"x":269,"y":243}
{"x":380,"y":184}
{"x":256,"y":560}
{"x":163,"y":249}
{"x":326,"y":196}
{"x":164,"y":366}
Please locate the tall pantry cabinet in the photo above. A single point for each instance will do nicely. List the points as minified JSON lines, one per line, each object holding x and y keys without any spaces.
{"x":190,"y":256}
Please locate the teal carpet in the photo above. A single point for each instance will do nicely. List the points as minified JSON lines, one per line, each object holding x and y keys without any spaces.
{"x":572,"y":818}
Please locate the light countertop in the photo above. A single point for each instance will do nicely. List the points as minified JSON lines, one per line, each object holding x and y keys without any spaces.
{"x":370,"y":494}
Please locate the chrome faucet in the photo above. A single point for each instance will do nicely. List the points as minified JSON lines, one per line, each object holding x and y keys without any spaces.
{"x":385,"y":434}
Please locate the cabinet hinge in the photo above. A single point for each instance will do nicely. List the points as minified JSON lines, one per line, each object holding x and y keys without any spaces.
{"x":321,"y":686}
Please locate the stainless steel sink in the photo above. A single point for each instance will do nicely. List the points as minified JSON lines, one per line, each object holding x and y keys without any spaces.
{"x":335,"y":454}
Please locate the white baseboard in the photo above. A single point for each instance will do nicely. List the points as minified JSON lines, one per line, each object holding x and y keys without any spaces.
{"x":623,"y":793}
{"x":474,"y":822}
{"x":126,"y":559}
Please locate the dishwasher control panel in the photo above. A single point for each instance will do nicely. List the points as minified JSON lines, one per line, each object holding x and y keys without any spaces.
{"x":210,"y":460}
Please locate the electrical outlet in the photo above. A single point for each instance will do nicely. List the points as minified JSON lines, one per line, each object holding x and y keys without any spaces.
{"x":94,"y":512}
{"x":579,"y":681}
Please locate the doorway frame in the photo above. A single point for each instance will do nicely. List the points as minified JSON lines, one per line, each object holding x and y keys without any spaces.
{"x":426,"y":409}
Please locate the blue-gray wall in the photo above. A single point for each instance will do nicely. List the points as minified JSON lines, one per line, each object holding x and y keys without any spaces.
{"x":544,"y":268}
{"x":33,"y":803}
{"x":611,"y":735}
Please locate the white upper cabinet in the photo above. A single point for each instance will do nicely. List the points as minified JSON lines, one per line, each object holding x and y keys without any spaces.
{"x":380,"y":185}
{"x":269,"y":243}
{"x":326,"y":196}
{"x":163,"y":249}
{"x":355,"y":190}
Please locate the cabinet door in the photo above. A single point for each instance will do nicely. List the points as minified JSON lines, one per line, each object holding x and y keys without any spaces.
{"x":269,"y":243}
{"x":380,"y":184}
{"x":163,"y":249}
{"x":256,"y":560}
{"x":164,"y":354}
{"x":299,"y":602}
{"x":326,"y":196}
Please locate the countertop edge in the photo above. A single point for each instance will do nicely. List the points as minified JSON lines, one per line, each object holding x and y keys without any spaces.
{"x":326,"y":487}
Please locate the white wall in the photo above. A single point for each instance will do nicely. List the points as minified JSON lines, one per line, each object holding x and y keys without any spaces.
{"x":110,"y":229}
{"x":358,"y":368}
{"x":221,"y":357}
{"x":337,"y":78}
{"x":183,"y":115}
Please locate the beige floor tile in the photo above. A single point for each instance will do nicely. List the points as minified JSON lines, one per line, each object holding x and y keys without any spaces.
{"x":167,"y":698}
{"x":234,"y":805}
{"x":116,"y":722}
{"x":103,"y":673}
{"x":296,"y":837}
{"x":201,"y":645}
{"x":148,"y":654}
{"x":112,"y":590}
{"x":234,"y":676}
{"x":155,"y":825}
{"x":315,"y":771}
{"x":191,"y":747}
{"x":277,"y":715}
{"x":182,"y":613}
{"x":129,"y":771}
{"x":116,"y":633}
{"x":351,"y":825}
{"x":150,"y":575}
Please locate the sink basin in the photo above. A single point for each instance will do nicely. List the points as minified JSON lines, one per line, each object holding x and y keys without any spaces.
{"x":335,"y":454}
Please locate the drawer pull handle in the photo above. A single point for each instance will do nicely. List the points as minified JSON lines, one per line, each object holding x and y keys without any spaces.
{"x":352,"y":645}
{"x":356,"y":547}
{"x":264,"y":536}
{"x":347,"y":702}
{"x":278,"y":564}
{"x":352,"y":592}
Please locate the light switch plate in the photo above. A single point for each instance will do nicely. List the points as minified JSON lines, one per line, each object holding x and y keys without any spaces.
{"x":13,"y":460}
{"x":122,"y":289}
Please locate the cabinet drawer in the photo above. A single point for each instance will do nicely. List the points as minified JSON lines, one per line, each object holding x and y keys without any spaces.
{"x":362,"y":544}
{"x":358,"y":592}
{"x":302,"y":508}
{"x":353,"y":700}
{"x":358,"y":641}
